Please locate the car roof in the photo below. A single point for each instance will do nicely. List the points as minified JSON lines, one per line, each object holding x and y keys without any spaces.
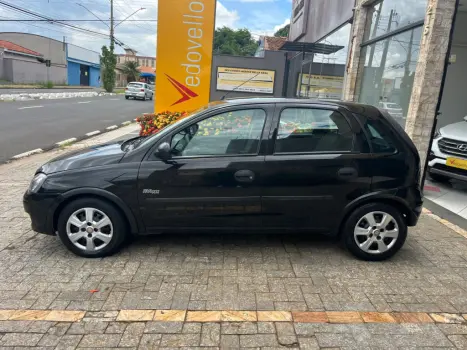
{"x":351,"y":106}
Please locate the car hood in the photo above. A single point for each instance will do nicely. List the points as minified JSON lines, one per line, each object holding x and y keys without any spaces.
{"x":456,"y":131}
{"x":98,"y":155}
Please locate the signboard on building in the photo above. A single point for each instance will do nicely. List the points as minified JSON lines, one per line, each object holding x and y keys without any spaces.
{"x":320,"y":86}
{"x":298,"y":23}
{"x":245,"y":80}
{"x":312,"y":20}
{"x":185,"y":34}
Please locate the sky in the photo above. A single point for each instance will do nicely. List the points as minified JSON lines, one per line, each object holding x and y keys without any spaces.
{"x":259,"y":16}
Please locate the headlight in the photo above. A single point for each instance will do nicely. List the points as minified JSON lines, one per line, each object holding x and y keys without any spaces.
{"x":437,"y":134}
{"x":37,"y":182}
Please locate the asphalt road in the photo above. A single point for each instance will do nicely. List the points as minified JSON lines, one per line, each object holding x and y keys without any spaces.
{"x":29,"y":125}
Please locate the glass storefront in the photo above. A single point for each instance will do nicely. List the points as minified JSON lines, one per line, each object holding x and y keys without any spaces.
{"x":390,"y":63}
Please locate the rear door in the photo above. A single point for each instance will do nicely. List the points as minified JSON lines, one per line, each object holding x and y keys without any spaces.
{"x":314,"y":167}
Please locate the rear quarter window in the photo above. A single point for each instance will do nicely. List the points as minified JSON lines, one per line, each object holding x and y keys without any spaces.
{"x":380,"y":136}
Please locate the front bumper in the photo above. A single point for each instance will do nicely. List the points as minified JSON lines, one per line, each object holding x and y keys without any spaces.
{"x":39,"y":207}
{"x":437,"y":164}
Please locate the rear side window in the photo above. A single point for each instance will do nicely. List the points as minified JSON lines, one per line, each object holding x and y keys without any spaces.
{"x":381,"y":138}
{"x":303,"y":130}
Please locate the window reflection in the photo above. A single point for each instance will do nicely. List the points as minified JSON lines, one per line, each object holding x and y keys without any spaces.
{"x":389,"y":73}
{"x":390,"y":15}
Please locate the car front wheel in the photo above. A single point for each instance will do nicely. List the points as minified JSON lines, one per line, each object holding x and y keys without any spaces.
{"x":91,"y":228}
{"x":374,"y":232}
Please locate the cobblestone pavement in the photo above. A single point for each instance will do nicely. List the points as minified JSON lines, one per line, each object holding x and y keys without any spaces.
{"x":231,"y":272}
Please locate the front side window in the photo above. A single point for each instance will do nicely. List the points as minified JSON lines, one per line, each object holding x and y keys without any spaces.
{"x":230,"y":133}
{"x":304,"y":130}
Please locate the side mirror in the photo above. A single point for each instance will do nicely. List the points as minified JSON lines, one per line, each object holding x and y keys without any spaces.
{"x":465,"y":118}
{"x":164,"y":151}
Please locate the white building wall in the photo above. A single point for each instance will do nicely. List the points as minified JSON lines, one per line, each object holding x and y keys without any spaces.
{"x":82,"y":54}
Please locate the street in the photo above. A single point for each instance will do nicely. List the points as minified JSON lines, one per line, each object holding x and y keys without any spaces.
{"x":29,"y":125}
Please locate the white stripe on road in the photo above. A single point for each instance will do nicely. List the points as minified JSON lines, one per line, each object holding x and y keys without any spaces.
{"x":29,"y":153}
{"x":114,"y":99}
{"x":84,"y":102}
{"x":92,"y":133}
{"x":126,"y":123}
{"x":111,"y":127}
{"x":64,"y":142}
{"x":31,"y":107}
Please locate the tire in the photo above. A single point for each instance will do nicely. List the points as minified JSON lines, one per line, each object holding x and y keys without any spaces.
{"x":127,"y":97}
{"x":438,"y":178}
{"x":379,"y":247}
{"x":144,"y":98}
{"x":152,"y":96}
{"x":115,"y":232}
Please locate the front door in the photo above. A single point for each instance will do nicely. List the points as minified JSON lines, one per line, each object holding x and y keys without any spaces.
{"x":84,"y":75}
{"x":314,"y":169}
{"x":214,"y":177}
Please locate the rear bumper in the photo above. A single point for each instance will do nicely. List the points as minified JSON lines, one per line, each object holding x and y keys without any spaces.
{"x":135,"y":94}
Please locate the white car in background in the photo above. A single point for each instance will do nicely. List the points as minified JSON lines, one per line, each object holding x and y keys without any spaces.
{"x":448,"y":156}
{"x":141,"y":91}
{"x":394,"y":110}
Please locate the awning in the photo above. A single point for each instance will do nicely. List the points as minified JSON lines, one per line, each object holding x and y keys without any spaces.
{"x":147,"y":75}
{"x":310,"y":47}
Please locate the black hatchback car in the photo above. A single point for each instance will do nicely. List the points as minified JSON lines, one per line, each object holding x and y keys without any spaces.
{"x":269,"y":165}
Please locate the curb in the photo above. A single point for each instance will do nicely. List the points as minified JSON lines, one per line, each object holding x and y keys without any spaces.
{"x":69,"y":141}
{"x":446,"y":223}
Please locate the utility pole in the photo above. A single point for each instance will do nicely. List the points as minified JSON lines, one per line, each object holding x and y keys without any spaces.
{"x":375,"y":30}
{"x":384,"y":58}
{"x":112,"y":39}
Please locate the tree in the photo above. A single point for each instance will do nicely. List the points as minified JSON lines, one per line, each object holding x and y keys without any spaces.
{"x":130,"y":69}
{"x":234,"y":42}
{"x":108,"y":62}
{"x":284,"y":31}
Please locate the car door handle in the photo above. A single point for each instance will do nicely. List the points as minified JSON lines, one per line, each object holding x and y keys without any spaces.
{"x":244,"y":176}
{"x":347,"y":173}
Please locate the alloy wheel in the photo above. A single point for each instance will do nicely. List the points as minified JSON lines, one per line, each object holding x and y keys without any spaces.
{"x":376,"y":232}
{"x":89,"y":229}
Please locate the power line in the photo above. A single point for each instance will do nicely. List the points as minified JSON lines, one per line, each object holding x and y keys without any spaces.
{"x":53,"y":21}
{"x":75,"y":20}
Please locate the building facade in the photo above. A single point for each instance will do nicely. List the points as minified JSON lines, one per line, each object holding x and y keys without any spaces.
{"x":37,"y":72}
{"x":83,"y":66}
{"x":146,"y":64}
{"x":51,"y":60}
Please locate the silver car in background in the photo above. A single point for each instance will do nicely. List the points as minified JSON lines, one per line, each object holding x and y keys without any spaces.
{"x":448,"y":156}
{"x":141,"y":91}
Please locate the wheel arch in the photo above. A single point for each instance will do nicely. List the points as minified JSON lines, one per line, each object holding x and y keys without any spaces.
{"x":393,"y":201}
{"x":111,"y":198}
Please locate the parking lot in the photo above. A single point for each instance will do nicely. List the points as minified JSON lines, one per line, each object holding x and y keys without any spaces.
{"x":348,"y":304}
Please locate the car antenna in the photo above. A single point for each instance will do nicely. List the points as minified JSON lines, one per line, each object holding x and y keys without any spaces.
{"x":227,"y":94}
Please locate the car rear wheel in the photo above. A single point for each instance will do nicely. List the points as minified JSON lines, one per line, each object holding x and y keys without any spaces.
{"x":91,"y":228}
{"x":374,"y":232}
{"x":127,"y":97}
{"x":144,"y":98}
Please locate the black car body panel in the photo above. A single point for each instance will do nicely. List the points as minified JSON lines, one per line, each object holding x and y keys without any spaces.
{"x":265,"y":190}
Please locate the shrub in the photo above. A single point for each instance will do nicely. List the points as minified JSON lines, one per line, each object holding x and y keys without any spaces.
{"x":46,"y":84}
{"x":153,"y":123}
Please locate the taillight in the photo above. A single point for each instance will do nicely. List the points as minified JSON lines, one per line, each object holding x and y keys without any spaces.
{"x":126,"y":89}
{"x":142,"y":90}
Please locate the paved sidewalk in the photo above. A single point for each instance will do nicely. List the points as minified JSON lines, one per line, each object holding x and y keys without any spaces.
{"x":199,"y":272}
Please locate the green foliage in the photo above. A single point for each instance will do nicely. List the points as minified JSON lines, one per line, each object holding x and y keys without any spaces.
{"x":130,"y":69}
{"x":46,"y":84}
{"x":234,"y":42}
{"x":108,"y":62}
{"x":284,"y":31}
